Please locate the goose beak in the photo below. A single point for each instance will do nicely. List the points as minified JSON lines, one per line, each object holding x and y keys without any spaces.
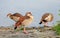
{"x":40,"y":23}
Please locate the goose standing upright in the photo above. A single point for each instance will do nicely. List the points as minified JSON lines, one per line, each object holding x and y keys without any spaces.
{"x":21,"y":20}
{"x":47,"y":17}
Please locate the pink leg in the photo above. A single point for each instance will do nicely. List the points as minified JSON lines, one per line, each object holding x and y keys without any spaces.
{"x":46,"y":24}
{"x":25,"y":31}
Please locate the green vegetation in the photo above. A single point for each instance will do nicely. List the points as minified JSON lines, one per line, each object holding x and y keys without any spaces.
{"x":57,"y":27}
{"x":59,"y":14}
{"x":19,"y":29}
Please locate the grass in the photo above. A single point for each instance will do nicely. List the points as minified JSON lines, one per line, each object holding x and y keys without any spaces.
{"x":57,"y":28}
{"x":19,"y":29}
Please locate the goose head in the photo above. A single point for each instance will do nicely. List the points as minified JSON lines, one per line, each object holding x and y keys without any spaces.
{"x":29,"y":15}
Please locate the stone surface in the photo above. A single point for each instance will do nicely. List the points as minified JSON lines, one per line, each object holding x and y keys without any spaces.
{"x":34,"y":33}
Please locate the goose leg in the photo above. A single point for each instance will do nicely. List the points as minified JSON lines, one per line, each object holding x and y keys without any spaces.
{"x":16,"y":25}
{"x":24,"y":30}
{"x":46,"y":24}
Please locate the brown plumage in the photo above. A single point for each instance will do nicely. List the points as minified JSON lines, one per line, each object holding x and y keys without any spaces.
{"x":47,"y":17}
{"x":17,"y":14}
{"x":20,"y":19}
{"x":14,"y":16}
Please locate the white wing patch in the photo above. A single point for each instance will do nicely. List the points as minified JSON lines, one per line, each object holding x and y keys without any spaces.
{"x":16,"y":18}
{"x":48,"y":18}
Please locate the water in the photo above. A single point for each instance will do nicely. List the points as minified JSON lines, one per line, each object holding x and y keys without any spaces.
{"x":37,"y":7}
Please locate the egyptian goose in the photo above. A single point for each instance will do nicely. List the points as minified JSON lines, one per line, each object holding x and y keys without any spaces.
{"x":21,"y":20}
{"x":47,"y":17}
